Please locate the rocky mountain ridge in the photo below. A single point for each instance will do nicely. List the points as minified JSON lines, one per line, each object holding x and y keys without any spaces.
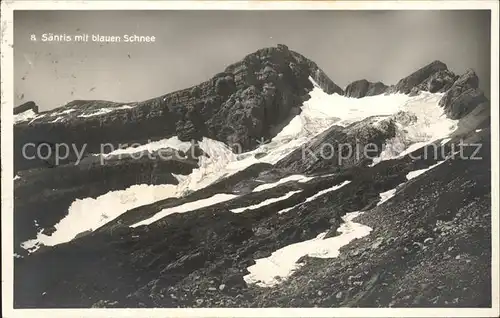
{"x":430,"y":218}
{"x":250,"y":101}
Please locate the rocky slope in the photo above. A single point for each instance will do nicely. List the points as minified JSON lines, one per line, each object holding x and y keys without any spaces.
{"x":428,"y":218}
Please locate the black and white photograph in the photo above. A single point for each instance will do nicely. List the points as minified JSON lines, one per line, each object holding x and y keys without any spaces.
{"x":321,"y":159}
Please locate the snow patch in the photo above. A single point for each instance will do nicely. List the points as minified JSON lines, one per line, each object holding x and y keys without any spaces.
{"x":265,"y":202}
{"x":186,"y":207}
{"x":320,"y":193}
{"x":60,"y":118}
{"x":64,"y":112}
{"x":179,"y":177}
{"x":387,"y":195}
{"x":295,"y":177}
{"x":89,"y":214}
{"x":172,"y":142}
{"x":416,"y":173}
{"x":37,"y":117}
{"x":125,"y":107}
{"x":271,"y":270}
{"x":221,"y":162}
{"x":317,"y":195}
{"x":24,"y":116}
{"x":103,"y":111}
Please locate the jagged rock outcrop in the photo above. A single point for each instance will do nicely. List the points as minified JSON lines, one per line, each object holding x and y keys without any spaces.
{"x":438,"y":82}
{"x":25,"y":107}
{"x":250,"y":100}
{"x":463,"y":96}
{"x":434,"y":77}
{"x":362,"y":88}
{"x":319,"y":76}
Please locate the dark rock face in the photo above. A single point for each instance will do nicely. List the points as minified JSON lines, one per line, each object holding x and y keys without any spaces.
{"x":420,"y":79}
{"x":364,"y":88}
{"x":26,"y":106}
{"x":319,"y":76}
{"x":244,"y":103}
{"x":463,"y":96}
{"x":439,"y":82}
{"x":434,"y":78}
{"x":144,"y":121}
{"x":376,"y":88}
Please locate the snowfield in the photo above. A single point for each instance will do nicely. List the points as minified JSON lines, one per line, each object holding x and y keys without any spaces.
{"x":272,"y":270}
{"x":319,"y":113}
{"x":430,"y":125}
{"x":89,"y":214}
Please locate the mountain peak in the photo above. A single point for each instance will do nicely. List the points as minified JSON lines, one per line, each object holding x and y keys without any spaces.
{"x":282,"y":57}
{"x":245,"y":103}
{"x":407,"y":84}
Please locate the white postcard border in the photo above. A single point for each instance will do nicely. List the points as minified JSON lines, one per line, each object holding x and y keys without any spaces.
{"x":7,"y":93}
